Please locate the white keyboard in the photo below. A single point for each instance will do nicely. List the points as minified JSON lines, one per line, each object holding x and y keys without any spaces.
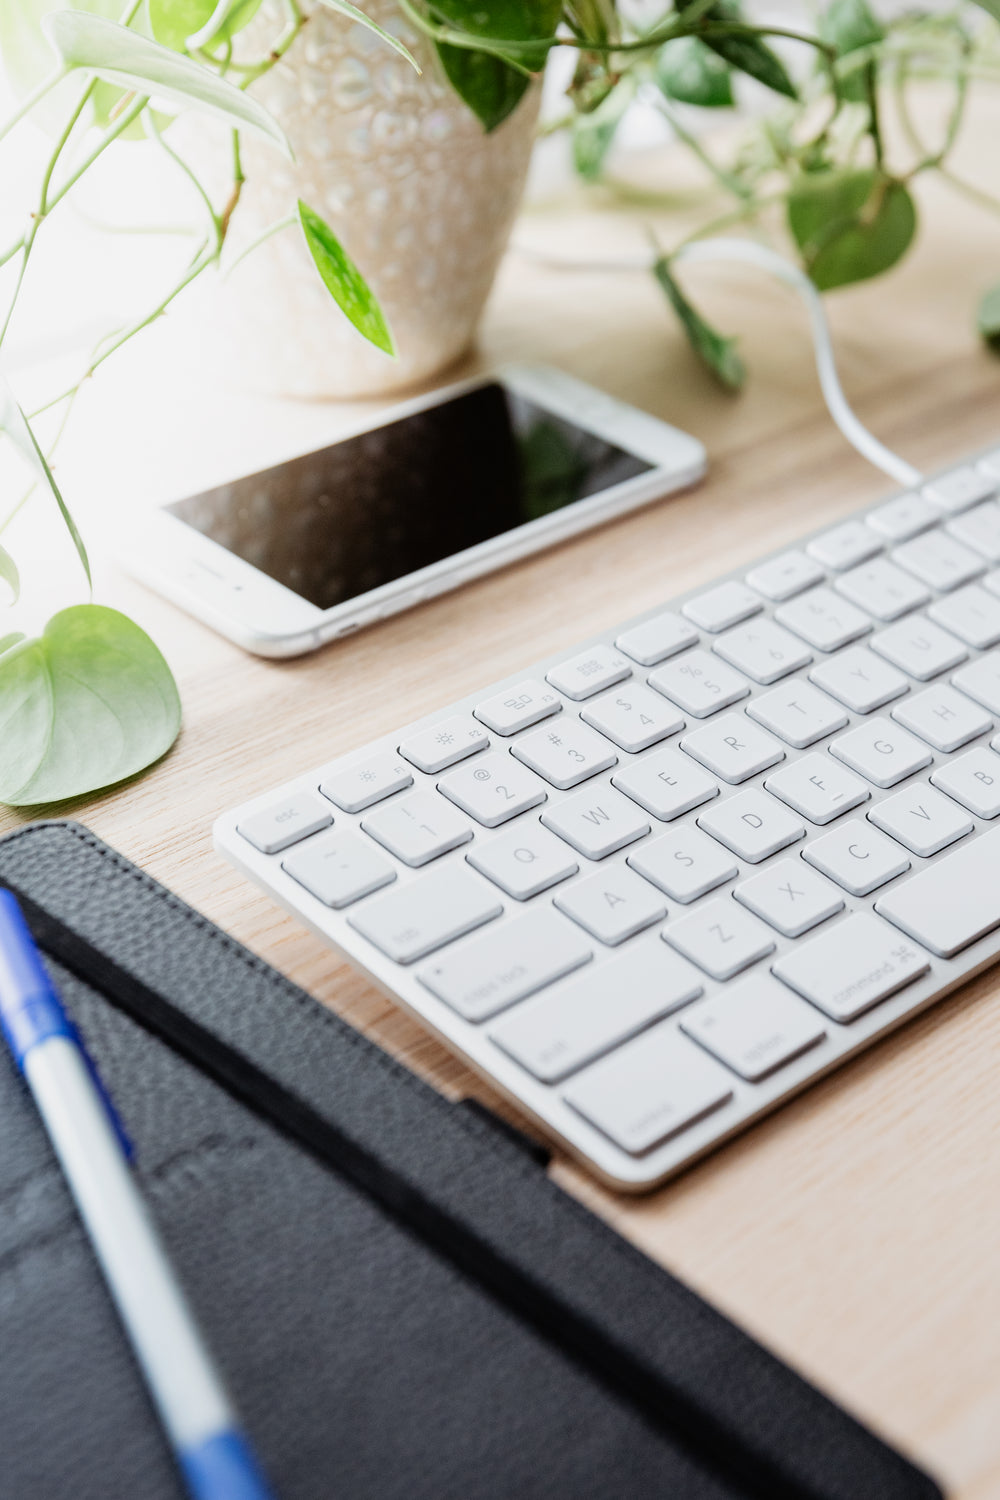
{"x":653,"y":887}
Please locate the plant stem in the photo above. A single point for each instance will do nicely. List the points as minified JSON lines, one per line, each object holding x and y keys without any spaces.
{"x":35,"y":97}
{"x":260,"y":239}
{"x":721,"y":176}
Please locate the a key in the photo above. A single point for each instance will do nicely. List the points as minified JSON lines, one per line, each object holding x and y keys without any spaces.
{"x":973,"y":780}
{"x":666,"y":784}
{"x":919,"y":647}
{"x":590,"y":672}
{"x":752,"y":825}
{"x":972,"y":614}
{"x":823,"y":619}
{"x":524,"y":861}
{"x":519,"y":707}
{"x":852,"y":966}
{"x":493,"y":788}
{"x":560,"y":1032}
{"x":818,"y":788}
{"x":922,"y":819}
{"x":489,"y":972}
{"x":367,"y":782}
{"x":762,"y":650}
{"x":720,"y":937}
{"x":790,"y":897}
{"x":953,"y":902}
{"x":418,"y":828}
{"x":654,"y":640}
{"x":980,"y":680}
{"x":857,"y":857}
{"x":650,"y":1090}
{"x":633,"y":717}
{"x":845,"y":546}
{"x":755,"y":1027}
{"x":881,"y":752}
{"x":723,"y":606}
{"x":414,"y":919}
{"x":858,"y":679}
{"x":939,"y":560}
{"x":612,"y":905}
{"x":733,"y":747}
{"x":942,"y":717}
{"x":455,"y":739}
{"x":699,"y":683}
{"x":960,"y":488}
{"x":565,"y":753}
{"x":883,"y":590}
{"x":785,"y":576}
{"x":286,"y":822}
{"x":339,"y":868}
{"x":685,"y":864}
{"x":980,"y":530}
{"x":797,"y":713}
{"x":897,"y":520}
{"x":597,"y":821}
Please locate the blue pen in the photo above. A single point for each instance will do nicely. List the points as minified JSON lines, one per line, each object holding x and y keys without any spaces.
{"x":199,"y":1421}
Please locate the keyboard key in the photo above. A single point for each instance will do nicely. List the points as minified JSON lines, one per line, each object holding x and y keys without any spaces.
{"x":817,"y":788}
{"x":919,"y":647}
{"x":936,"y":558}
{"x":493,"y":789}
{"x":454,"y":739}
{"x":752,"y":825}
{"x":685,"y":864}
{"x":339,"y":868}
{"x":755,"y":1027}
{"x":699,"y":683}
{"x":953,"y":902}
{"x":973,"y":780}
{"x":883,"y":590}
{"x":612,"y":905}
{"x":366,"y":783}
{"x":797,"y":713}
{"x":416,"y":918}
{"x":856,"y":857}
{"x":597,"y":821}
{"x":654,"y":640}
{"x":590,"y":672}
{"x":519,"y":707}
{"x":922,"y":819}
{"x":524,"y":861}
{"x":989,"y":464}
{"x":972,"y":614}
{"x":418,"y":828}
{"x":991,"y":581}
{"x":720,"y":937}
{"x":881,"y":752}
{"x":942,"y":717}
{"x":733,"y":747}
{"x":790,"y":896}
{"x":859,"y":679}
{"x":666,"y":784}
{"x":487,"y":973}
{"x":785,"y":576}
{"x":633,"y":717}
{"x":854,"y":965}
{"x":762,"y":650}
{"x":284,"y":823}
{"x":960,"y":488}
{"x":845,"y":546}
{"x":980,"y":680}
{"x":559,"y":1033}
{"x":723,"y":606}
{"x":980,"y":530}
{"x":565,"y":753}
{"x":651,"y":1089}
{"x":823,"y":619}
{"x":897,"y":520}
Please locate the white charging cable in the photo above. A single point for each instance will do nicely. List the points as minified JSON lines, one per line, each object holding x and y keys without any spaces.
{"x":750,"y":252}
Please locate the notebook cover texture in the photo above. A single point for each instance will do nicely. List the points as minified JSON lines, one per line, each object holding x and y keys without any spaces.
{"x":404,"y":1305}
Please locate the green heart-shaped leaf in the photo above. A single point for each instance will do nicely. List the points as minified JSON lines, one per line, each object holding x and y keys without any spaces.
{"x":173,"y":21}
{"x":88,"y":703}
{"x":689,"y":71}
{"x":6,"y":641}
{"x":850,"y":225}
{"x":344,"y":281}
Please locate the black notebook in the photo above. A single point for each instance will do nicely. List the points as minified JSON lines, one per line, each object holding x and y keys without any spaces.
{"x":402,"y":1302}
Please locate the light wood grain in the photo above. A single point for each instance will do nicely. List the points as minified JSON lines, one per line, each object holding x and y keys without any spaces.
{"x":858,"y":1230}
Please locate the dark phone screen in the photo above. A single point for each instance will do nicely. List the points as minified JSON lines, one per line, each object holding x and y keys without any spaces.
{"x":334,"y":524}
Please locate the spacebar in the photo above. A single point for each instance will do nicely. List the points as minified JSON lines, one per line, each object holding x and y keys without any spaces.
{"x":953,"y":903}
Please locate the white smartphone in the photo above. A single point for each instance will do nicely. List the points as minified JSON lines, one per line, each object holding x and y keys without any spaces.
{"x":446,"y":487}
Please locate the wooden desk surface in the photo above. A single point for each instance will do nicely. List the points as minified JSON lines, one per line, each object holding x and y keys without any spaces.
{"x":858,"y":1230}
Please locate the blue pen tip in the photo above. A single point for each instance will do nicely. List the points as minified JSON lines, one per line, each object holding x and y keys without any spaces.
{"x":224,"y":1468}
